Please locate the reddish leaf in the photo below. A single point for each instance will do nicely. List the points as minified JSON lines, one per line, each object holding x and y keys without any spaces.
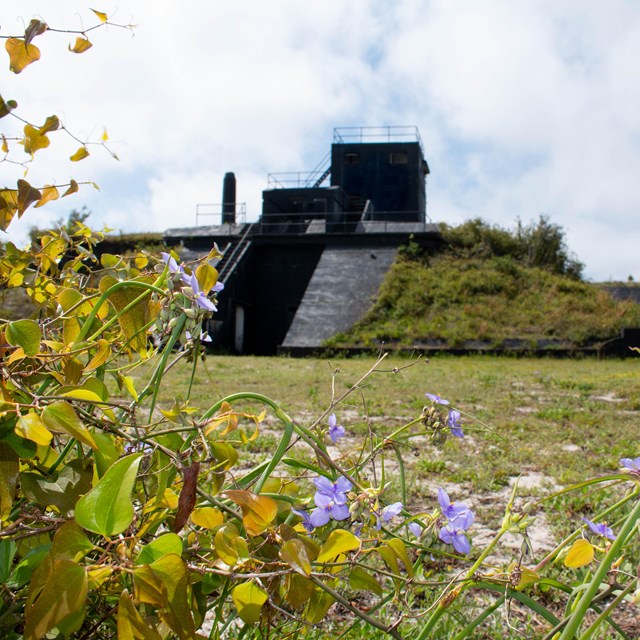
{"x":187,"y":500}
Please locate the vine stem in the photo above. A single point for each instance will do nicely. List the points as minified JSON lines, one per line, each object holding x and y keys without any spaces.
{"x":425,"y":633}
{"x":583,"y":605}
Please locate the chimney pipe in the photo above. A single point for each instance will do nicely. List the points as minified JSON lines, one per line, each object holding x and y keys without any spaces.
{"x":229,"y":199}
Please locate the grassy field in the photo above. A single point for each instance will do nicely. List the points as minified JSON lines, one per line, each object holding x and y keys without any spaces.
{"x":559,"y":417}
{"x":556,"y":421}
{"x":549,"y":422}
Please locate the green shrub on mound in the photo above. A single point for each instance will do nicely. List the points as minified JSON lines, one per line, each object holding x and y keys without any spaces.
{"x":471,"y":292}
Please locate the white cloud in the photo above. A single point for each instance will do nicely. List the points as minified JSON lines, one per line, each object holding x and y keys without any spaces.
{"x":524,"y":108}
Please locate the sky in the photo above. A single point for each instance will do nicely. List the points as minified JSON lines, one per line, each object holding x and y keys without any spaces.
{"x":524,"y":108}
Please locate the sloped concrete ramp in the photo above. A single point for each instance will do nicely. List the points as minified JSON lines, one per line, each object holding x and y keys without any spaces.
{"x":342,"y":288}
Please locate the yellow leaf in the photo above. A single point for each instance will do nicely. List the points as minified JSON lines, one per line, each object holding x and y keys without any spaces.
{"x":249,"y":598}
{"x":34,"y":139}
{"x":258,"y":512}
{"x":50,"y":124}
{"x":105,"y":137}
{"x":5,"y":146}
{"x":225,"y":418}
{"x":580,"y":554}
{"x":81,"y":45}
{"x":339,"y":541}
{"x":49,"y":193}
{"x":207,"y":517}
{"x":80,"y":154}
{"x":100,"y":357}
{"x":101,"y":16}
{"x":73,"y":188}
{"x":8,"y":207}
{"x":129,"y":386}
{"x":31,"y":427}
{"x":207,"y":276}
{"x":21,"y":54}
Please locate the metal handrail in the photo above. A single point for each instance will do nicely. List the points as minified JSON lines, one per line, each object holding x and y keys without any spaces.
{"x":395,"y":133}
{"x":241,"y":210}
{"x":229,"y":265}
{"x":297,"y":223}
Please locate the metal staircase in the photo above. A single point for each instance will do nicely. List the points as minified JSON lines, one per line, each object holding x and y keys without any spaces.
{"x":230,"y":263}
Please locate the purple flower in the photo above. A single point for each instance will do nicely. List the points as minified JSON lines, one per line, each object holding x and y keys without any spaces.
{"x":416,"y":529}
{"x":452,"y":510}
{"x":200,"y":296}
{"x":451,"y":534}
{"x":631,"y":464}
{"x":327,"y":510}
{"x":335,"y":430}
{"x":170,"y":261}
{"x":218,"y":286}
{"x":335,"y":491}
{"x":306,"y":519}
{"x":435,"y":398}
{"x":204,"y":336}
{"x":453,"y":422}
{"x":601,"y":529}
{"x":389,"y":512}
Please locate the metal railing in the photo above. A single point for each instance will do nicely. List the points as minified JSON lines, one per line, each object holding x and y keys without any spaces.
{"x":230,"y":262}
{"x":350,"y":222}
{"x":344,"y":135}
{"x":215,"y":210}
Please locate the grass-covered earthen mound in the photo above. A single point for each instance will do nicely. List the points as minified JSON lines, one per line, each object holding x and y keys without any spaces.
{"x":491,"y":286}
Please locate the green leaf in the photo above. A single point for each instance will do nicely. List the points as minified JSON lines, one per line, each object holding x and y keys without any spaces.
{"x":230,"y":546}
{"x":297,"y":590}
{"x":9,"y":468}
{"x":25,"y":334}
{"x":294,"y":553}
{"x":7,"y":553}
{"x":6,"y":108}
{"x":62,"y":492}
{"x":26,"y":449}
{"x":131,"y":625}
{"x":249,"y":598}
{"x":339,"y":541}
{"x":134,"y":320}
{"x":400,"y":550}
{"x":70,"y":543}
{"x":61,"y":416}
{"x":26,"y":567}
{"x":165,"y":584}
{"x":107,"y":508}
{"x":64,"y":593}
{"x":106,"y":453}
{"x":167,"y":543}
{"x":361,"y":580}
{"x":318,"y":606}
